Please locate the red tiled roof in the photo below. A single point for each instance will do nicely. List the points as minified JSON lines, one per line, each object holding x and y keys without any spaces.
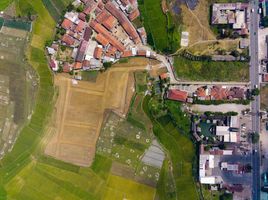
{"x":101,"y":5}
{"x":104,"y":14}
{"x":164,"y":76}
{"x":97,"y":52}
{"x":127,"y":53}
{"x":66,"y":24}
{"x":134,"y":14}
{"x":101,"y":39}
{"x":82,"y":16}
{"x":89,"y":7}
{"x":265,"y":78}
{"x":218,"y":93}
{"x":77,"y":65}
{"x":109,"y":22}
{"x":124,"y":21}
{"x":125,"y":2}
{"x":177,"y":95}
{"x":67,"y":67}
{"x":80,"y":26}
{"x":112,"y":40}
{"x":86,"y":63}
{"x":87,"y":33}
{"x":141,"y":53}
{"x":68,"y":40}
{"x":201,"y":92}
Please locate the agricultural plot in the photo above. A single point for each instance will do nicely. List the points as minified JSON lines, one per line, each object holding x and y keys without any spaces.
{"x":18,"y":86}
{"x":56,"y":7}
{"x":81,"y":107}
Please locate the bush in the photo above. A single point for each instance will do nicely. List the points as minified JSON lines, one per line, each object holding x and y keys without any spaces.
{"x":107,"y":65}
{"x":255,"y":137}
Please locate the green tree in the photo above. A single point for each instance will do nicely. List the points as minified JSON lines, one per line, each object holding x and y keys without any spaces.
{"x":226,"y":196}
{"x":235,"y":53}
{"x":255,"y":92}
{"x":265,"y":21}
{"x":107,"y":65}
{"x":255,"y":137}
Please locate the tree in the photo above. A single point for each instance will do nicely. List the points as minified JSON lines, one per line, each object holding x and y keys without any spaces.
{"x":255,"y":92}
{"x":226,"y":196}
{"x":265,"y":21}
{"x":87,"y":18}
{"x":80,"y":8}
{"x":235,"y":53}
{"x":70,"y":7}
{"x":107,"y":65}
{"x":248,"y":168}
{"x":255,"y":137}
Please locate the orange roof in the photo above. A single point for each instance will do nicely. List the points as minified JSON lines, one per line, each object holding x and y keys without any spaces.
{"x":134,"y":14}
{"x":77,"y":65}
{"x":127,"y":53}
{"x":112,"y":40}
{"x":104,"y":14}
{"x":98,"y":52}
{"x":177,"y":95}
{"x":218,"y":93}
{"x":109,"y":22}
{"x":141,"y":53}
{"x":80,"y":26}
{"x":164,"y":76}
{"x":66,"y":24}
{"x":124,"y":21}
{"x":67,"y":39}
{"x":112,"y":49}
{"x":101,"y":39}
{"x":265,"y":78}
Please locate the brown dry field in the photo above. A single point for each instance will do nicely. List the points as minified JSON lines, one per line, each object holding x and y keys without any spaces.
{"x":264,"y":97}
{"x":14,"y":32}
{"x":196,"y":22}
{"x":80,"y":110}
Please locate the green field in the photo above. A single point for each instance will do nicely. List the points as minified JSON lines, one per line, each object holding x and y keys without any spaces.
{"x":162,"y":33}
{"x":56,"y":7}
{"x":211,"y":71}
{"x":4,"y":4}
{"x":121,"y":188}
{"x":180,"y":148}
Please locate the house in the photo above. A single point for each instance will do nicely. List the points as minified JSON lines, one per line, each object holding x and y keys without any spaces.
{"x":177,"y":95}
{"x":98,"y":52}
{"x":68,"y":40}
{"x":234,"y":14}
{"x":77,"y":65}
{"x":87,"y":34}
{"x":53,"y":65}
{"x":67,"y":67}
{"x":101,"y":39}
{"x":265,"y":77}
{"x":143,"y":35}
{"x":82,"y":16}
{"x":134,"y":14}
{"x":66,"y":24}
{"x":81,"y":51}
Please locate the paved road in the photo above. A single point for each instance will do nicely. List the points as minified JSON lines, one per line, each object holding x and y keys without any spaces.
{"x":255,"y":105}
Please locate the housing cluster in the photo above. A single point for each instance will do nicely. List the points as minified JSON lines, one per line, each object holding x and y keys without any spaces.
{"x":101,"y":33}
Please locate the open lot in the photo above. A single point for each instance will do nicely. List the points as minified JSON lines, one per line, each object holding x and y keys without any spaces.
{"x":264,"y":97}
{"x":81,"y":107}
{"x":211,"y":71}
{"x":196,"y":21}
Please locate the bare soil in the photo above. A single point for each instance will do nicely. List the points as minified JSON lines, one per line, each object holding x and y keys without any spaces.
{"x":81,"y":108}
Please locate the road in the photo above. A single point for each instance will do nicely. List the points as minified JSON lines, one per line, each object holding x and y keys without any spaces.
{"x":255,"y":105}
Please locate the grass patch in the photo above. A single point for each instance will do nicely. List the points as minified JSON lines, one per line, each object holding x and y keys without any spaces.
{"x":121,"y":188}
{"x":90,"y":76}
{"x":4,"y":4}
{"x":162,"y":34}
{"x":211,"y":71}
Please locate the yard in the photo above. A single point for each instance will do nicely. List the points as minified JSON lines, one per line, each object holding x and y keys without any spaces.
{"x":264,"y":97}
{"x":211,"y":71}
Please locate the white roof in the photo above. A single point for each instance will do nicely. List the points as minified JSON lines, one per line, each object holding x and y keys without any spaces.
{"x":90,"y":49}
{"x":240,"y":19}
{"x":226,"y":138}
{"x":134,"y":51}
{"x":208,"y":180}
{"x":51,"y":51}
{"x":222,"y":130}
{"x":227,"y":152}
{"x":232,"y":167}
{"x":148,"y":53}
{"x":234,"y":121}
{"x":72,"y":16}
{"x":211,"y":161}
{"x":233,"y":137}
